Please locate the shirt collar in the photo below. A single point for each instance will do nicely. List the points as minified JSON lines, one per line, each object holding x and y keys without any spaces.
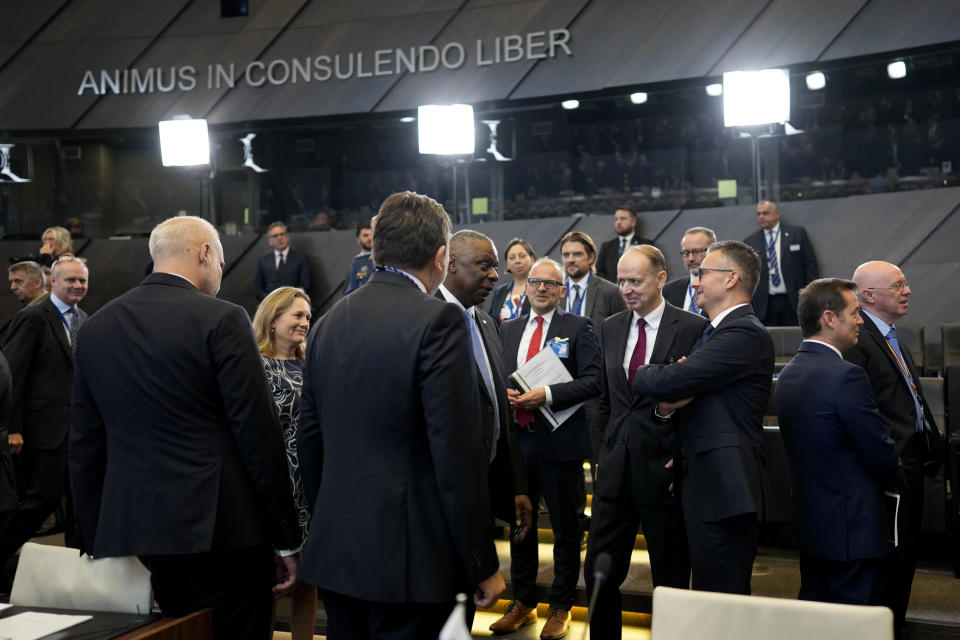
{"x":654,"y":317}
{"x":61,"y":306}
{"x":449,"y":297}
{"x":282,"y":253}
{"x":774,"y":231}
{"x":628,"y":238}
{"x":826,"y":344}
{"x":547,"y":317}
{"x":881,"y":325}
{"x":723,"y":314}
{"x":582,"y":282}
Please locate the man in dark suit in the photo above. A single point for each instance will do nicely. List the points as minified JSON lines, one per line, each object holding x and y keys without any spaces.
{"x":635,"y":470}
{"x":841,"y":458}
{"x":726,"y":383}
{"x":391,"y":447}
{"x":884,"y":299}
{"x":693,"y":247}
{"x":27,"y":282}
{"x":8,"y":485}
{"x":176,"y":455}
{"x":553,"y":458}
{"x":787,"y":263}
{"x":625,"y":225}
{"x":282,"y":267}
{"x":40,"y":347}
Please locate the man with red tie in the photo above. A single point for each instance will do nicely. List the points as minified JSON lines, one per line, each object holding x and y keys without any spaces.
{"x":553,"y":458}
{"x":635,"y":470}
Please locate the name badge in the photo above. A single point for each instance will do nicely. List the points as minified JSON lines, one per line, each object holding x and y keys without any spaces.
{"x":561,"y":347}
{"x":795,"y":247}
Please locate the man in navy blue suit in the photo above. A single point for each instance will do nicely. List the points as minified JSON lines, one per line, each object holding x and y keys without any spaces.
{"x":841,"y":457}
{"x":282,"y":267}
{"x":722,"y":389}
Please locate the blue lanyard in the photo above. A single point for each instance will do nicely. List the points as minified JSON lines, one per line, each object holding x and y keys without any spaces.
{"x":513,"y":308}
{"x":583,"y":295}
{"x":399,"y":273}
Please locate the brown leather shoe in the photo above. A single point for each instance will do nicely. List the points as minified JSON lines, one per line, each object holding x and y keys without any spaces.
{"x":558,"y":623}
{"x":515,"y":616}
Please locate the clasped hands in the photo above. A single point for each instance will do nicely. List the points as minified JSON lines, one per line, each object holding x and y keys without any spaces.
{"x":533,"y":399}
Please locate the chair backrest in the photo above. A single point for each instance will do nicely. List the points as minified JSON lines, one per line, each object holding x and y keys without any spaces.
{"x":950,"y":334}
{"x":910,"y":337}
{"x":679,"y":614}
{"x":61,"y":578}
{"x":786,"y":341}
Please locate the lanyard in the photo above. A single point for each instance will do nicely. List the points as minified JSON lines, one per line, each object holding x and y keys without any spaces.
{"x":583,"y":296}
{"x":399,"y":273}
{"x":903,"y":369}
{"x":514,"y":305}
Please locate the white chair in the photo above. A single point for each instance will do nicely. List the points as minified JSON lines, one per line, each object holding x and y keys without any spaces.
{"x":679,"y":614}
{"x":61,"y":578}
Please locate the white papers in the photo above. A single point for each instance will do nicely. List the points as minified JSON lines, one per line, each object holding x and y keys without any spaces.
{"x":893,"y":516}
{"x":542,"y":370}
{"x":33,"y":624}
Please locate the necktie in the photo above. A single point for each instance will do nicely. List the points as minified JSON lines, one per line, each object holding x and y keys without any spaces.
{"x":524,"y":417}
{"x":706,"y":334}
{"x":693,"y":305}
{"x":898,"y":354}
{"x":74,"y":322}
{"x":772,"y":259}
{"x":282,"y":263}
{"x":575,"y":307}
{"x":639,"y":352}
{"x":623,"y":245}
{"x":480,"y":359}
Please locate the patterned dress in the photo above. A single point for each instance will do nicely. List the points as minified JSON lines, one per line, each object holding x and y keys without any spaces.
{"x":286,"y":381}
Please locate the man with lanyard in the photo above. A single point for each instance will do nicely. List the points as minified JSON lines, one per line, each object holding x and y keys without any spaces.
{"x":693,"y":247}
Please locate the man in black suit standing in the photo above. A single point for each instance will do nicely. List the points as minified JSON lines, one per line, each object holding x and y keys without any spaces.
{"x":553,"y":458}
{"x":693,"y":247}
{"x":884,"y":297}
{"x":176,"y":455}
{"x":841,"y":458}
{"x":635,"y":464}
{"x":391,"y":445}
{"x":40,"y":347}
{"x":282,"y":267}
{"x":625,"y":225}
{"x":787,"y":264}
{"x":726,"y":383}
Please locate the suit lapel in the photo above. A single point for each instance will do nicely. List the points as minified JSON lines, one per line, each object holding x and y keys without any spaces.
{"x":58,"y":328}
{"x":665,"y":335}
{"x":591,"y":293}
{"x":556,"y":325}
{"x":494,"y":370}
{"x":618,"y":350}
{"x":884,"y":347}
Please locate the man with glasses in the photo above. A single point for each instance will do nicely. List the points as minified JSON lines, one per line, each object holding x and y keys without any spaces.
{"x":282,"y":267}
{"x":553,"y":458}
{"x":884,"y":297}
{"x":787,"y":264}
{"x":40,"y":347}
{"x":693,"y":247}
{"x":721,"y":392}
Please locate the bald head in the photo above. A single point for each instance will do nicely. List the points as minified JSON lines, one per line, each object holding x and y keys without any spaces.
{"x":883,"y":290}
{"x":188,"y":247}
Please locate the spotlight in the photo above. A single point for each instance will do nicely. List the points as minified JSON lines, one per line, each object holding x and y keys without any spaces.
{"x":184,"y":142}
{"x":897,"y":70}
{"x":569,"y":105}
{"x":638,"y":98}
{"x":816,"y":81}
{"x":407,"y":119}
{"x":446,"y":130}
{"x":714,"y":90}
{"x":756,"y":97}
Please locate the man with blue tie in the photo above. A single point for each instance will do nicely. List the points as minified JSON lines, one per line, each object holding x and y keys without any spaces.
{"x":787,"y":264}
{"x":841,"y":458}
{"x":884,"y":296}
{"x":693,"y":247}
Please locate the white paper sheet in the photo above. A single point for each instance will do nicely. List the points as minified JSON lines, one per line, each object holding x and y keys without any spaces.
{"x":31,"y":625}
{"x":542,"y":370}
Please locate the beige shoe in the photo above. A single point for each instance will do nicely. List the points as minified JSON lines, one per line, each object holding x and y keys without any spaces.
{"x":514,"y":617}
{"x":558,"y":623}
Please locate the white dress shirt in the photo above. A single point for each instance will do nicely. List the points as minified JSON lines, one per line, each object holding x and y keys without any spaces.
{"x":277,"y":254}
{"x":571,"y":295}
{"x":528,"y":335}
{"x":653,"y":324}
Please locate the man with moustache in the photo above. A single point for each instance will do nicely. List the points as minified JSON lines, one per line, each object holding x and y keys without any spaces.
{"x":841,"y":458}
{"x":553,"y":458}
{"x":27,"y":282}
{"x":723,"y":388}
{"x":884,"y":296}
{"x":693,"y":247}
{"x":587,"y":295}
{"x":635,"y":464}
{"x":625,"y":226}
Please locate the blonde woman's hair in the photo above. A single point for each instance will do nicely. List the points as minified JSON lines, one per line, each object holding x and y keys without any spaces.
{"x":272,"y":307}
{"x":62,"y":237}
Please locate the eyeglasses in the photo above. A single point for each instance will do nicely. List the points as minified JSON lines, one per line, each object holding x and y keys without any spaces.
{"x":69,"y":257}
{"x":686,"y":253}
{"x":896,"y":287}
{"x":549,"y":284}
{"x":274,"y":236}
{"x":702,"y":269}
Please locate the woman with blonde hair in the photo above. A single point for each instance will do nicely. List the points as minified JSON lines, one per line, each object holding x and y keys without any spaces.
{"x":281,"y":324}
{"x":56,"y":241}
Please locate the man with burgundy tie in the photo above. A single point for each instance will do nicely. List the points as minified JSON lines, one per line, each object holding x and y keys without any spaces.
{"x":884,"y":297}
{"x":635,"y":470}
{"x":693,"y":247}
{"x":787,"y":264}
{"x":553,"y":458}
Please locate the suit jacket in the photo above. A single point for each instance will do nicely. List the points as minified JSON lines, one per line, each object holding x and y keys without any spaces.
{"x":892,"y":392}
{"x":798,"y":264}
{"x":603,"y":300}
{"x":675,"y":291}
{"x":8,"y":487}
{"x":175,"y":445}
{"x":37,"y":348}
{"x":721,"y":431}
{"x":295,"y":273}
{"x":841,"y":457}
{"x":609,"y":256}
{"x":571,"y":440}
{"x":627,"y":417}
{"x":391,"y":452}
{"x":498,"y":296}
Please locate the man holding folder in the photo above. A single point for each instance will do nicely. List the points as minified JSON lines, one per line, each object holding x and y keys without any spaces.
{"x":553,"y":456}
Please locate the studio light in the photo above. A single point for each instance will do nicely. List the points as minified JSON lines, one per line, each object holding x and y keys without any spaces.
{"x":638,"y":98}
{"x":184,"y":142}
{"x":816,"y":81}
{"x":897,"y":70}
{"x":407,"y":119}
{"x":446,"y":130}
{"x":569,"y":105}
{"x":756,"y":97}
{"x":714,"y":90}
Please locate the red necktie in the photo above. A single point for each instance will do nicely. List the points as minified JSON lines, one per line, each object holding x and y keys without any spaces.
{"x":524,"y":417}
{"x":639,"y":351}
